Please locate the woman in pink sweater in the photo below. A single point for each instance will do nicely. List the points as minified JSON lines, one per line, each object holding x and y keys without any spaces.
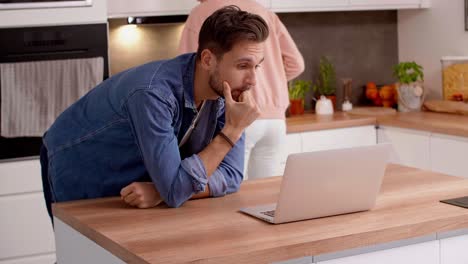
{"x":265,"y":138}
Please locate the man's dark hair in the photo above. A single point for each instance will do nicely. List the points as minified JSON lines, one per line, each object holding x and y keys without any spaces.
{"x":227,"y":26}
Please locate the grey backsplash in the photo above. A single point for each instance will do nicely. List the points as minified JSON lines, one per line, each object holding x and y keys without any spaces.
{"x":363,"y":45}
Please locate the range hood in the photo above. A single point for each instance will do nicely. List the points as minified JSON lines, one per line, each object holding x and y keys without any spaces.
{"x":157,"y":19}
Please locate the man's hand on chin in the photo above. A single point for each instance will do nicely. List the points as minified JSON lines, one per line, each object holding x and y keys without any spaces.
{"x":141,"y":195}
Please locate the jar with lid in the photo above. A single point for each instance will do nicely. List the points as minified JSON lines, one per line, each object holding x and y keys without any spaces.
{"x":455,"y":78}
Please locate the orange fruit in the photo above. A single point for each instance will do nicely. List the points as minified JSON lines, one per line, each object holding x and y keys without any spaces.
{"x":378,"y":101}
{"x":372,"y":93}
{"x":388,"y":103}
{"x":371,"y":85}
{"x":386,"y":92}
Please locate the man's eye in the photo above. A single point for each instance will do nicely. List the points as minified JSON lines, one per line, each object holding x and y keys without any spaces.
{"x":242,"y":66}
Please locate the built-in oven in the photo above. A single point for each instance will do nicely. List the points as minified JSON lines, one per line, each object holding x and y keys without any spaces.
{"x":42,"y":44}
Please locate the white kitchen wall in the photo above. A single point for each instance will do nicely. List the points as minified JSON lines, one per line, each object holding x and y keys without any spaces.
{"x":425,"y":35}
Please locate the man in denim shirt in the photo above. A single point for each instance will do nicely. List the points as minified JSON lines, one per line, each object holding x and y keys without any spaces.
{"x":177,"y":123}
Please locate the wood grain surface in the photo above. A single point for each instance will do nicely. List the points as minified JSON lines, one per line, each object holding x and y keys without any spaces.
{"x":450,"y":124}
{"x":214,"y":231}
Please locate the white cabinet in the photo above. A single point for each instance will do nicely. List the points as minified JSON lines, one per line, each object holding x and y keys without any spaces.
{"x":125,"y":8}
{"x":425,"y":150}
{"x":307,"y":5}
{"x":449,"y":154}
{"x":453,"y":250}
{"x":328,"y":139}
{"x":27,"y":235}
{"x":424,"y":253}
{"x":345,"y":5}
{"x":293,"y":145}
{"x":35,"y":17}
{"x":338,"y":138}
{"x":409,"y":147}
{"x":385,"y":4}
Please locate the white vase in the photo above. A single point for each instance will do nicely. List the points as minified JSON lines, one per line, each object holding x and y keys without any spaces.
{"x":324,"y":106}
{"x":410,"y":96}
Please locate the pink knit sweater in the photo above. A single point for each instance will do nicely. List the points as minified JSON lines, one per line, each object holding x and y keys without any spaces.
{"x":283,"y":61}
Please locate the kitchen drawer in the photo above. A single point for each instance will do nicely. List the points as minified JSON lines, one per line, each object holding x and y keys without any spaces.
{"x":20,"y":177}
{"x":25,"y":226}
{"x":41,"y":259}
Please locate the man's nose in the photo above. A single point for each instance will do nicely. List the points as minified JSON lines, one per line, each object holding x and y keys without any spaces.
{"x":252,"y":78}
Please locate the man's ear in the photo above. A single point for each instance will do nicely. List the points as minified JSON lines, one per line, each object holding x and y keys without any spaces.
{"x":208,"y":59}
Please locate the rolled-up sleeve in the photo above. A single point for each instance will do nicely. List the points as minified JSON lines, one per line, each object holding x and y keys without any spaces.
{"x":151,"y":113}
{"x":228,"y":177}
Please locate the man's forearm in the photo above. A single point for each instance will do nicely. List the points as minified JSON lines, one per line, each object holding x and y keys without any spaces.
{"x":215,"y":152}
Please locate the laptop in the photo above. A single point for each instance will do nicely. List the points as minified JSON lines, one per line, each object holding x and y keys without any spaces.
{"x":327,"y":183}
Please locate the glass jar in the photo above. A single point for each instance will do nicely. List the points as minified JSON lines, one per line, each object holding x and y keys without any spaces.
{"x":455,"y":78}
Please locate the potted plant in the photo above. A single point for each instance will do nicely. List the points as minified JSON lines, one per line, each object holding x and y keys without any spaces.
{"x":409,"y":86}
{"x":326,"y":83}
{"x":297,"y":90}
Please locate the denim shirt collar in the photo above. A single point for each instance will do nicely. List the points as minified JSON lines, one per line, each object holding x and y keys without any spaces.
{"x":188,"y":83}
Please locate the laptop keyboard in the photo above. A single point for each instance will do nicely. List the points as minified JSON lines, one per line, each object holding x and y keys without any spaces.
{"x":269,"y":213}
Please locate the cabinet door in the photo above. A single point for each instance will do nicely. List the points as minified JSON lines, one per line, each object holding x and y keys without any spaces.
{"x":338,"y":138}
{"x":449,"y":154}
{"x":293,"y":145}
{"x":25,"y":226}
{"x":424,"y":253}
{"x":385,"y":4}
{"x":20,"y":177}
{"x":409,"y":147}
{"x":307,"y":5}
{"x":453,"y":250}
{"x":41,"y":259}
{"x":124,"y":8}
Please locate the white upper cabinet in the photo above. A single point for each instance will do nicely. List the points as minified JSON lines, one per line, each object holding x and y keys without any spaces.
{"x":344,"y":5}
{"x":125,"y":8}
{"x":386,"y":4}
{"x":308,"y":5}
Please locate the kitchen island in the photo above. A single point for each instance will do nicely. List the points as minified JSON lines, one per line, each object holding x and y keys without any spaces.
{"x":407,"y":225}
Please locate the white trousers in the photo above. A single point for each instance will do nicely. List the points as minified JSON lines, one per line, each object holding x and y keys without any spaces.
{"x":265,"y":141}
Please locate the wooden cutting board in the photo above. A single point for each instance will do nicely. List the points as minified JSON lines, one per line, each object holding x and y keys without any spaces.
{"x":372,"y":111}
{"x":445,"y":106}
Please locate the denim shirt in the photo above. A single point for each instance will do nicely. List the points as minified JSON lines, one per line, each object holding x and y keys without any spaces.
{"x":128,"y":129}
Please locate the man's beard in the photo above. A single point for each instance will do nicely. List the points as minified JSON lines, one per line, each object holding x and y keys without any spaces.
{"x":217,"y":86}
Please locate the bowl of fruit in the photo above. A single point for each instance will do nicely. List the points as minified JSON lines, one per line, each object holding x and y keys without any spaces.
{"x":382,"y":95}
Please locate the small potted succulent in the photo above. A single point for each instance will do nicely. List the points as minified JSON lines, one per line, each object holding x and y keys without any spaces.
{"x":410,"y":87}
{"x":326,"y":83}
{"x":297,"y":90}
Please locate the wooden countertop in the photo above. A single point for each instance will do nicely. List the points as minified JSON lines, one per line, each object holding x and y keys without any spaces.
{"x":450,"y":124}
{"x":213,"y":231}
{"x":312,"y":122}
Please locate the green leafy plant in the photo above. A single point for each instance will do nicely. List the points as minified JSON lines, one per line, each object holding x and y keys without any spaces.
{"x":326,"y":83}
{"x":408,"y":72}
{"x":298,"y":89}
